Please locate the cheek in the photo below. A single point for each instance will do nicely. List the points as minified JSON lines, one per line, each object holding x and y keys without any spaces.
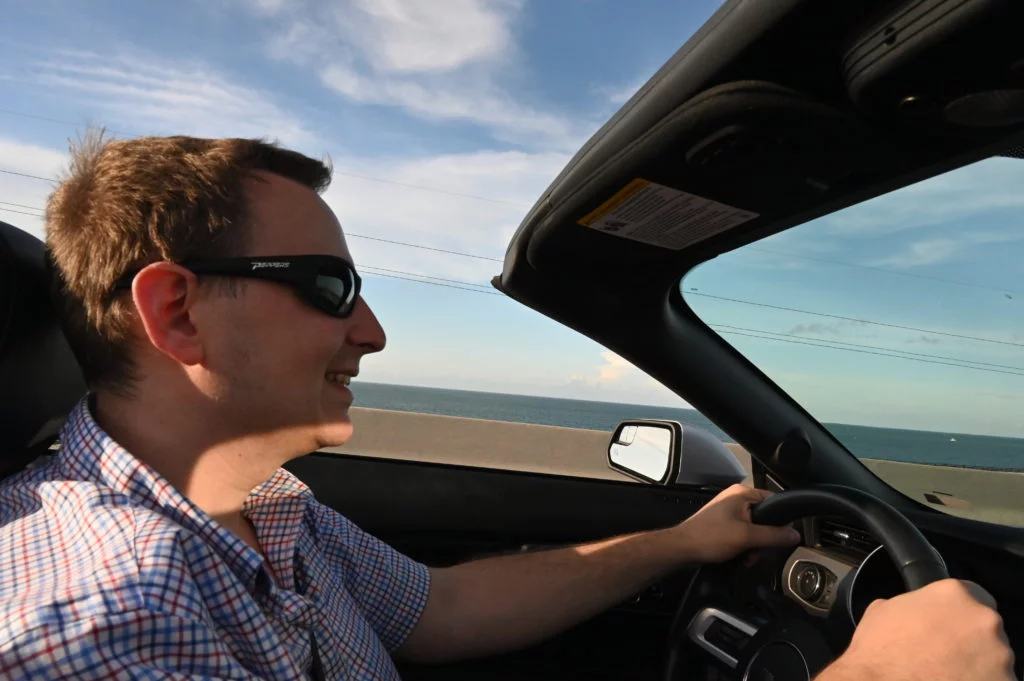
{"x":277,"y":339}
{"x":300,"y":340}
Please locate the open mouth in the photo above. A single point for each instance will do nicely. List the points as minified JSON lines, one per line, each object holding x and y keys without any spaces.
{"x":342,"y":380}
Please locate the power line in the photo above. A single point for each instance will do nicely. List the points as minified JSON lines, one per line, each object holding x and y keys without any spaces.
{"x":870,"y":347}
{"x":426,"y":248}
{"x":510,"y":203}
{"x":424,"y":276}
{"x":877,"y":269}
{"x":350,"y":234}
{"x":432,"y":189}
{"x":22,"y":205}
{"x":434,"y":283}
{"x":869,"y":352}
{"x":727,"y":329}
{"x":368,"y":178}
{"x":34,"y":177}
{"x":22,"y":114}
{"x":20,"y":212}
{"x":854,"y":319}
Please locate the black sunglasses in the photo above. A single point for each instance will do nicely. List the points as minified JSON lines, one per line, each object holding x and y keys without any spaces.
{"x":328,"y":283}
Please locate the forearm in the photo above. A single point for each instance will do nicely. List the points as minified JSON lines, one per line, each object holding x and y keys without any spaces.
{"x":498,"y":604}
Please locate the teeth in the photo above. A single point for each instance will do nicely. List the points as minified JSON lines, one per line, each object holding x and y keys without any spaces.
{"x":341,"y":379}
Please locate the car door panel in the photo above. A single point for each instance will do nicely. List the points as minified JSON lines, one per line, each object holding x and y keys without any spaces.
{"x":424,"y":507}
{"x":443,"y":514}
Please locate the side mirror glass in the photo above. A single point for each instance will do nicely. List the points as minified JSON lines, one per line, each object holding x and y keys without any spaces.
{"x":643,"y":450}
{"x":671,"y":453}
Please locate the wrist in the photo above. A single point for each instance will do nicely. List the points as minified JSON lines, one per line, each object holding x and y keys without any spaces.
{"x":843,"y":669}
{"x":678,"y":547}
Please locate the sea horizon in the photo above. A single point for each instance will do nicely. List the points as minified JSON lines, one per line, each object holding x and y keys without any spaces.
{"x":946,"y":448}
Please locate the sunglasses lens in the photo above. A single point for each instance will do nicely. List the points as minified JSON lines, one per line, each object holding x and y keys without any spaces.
{"x":336,"y":292}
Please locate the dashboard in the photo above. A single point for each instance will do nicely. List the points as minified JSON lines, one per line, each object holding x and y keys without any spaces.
{"x":839,"y":569}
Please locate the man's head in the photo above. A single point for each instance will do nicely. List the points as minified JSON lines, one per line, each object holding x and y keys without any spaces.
{"x":253,"y":354}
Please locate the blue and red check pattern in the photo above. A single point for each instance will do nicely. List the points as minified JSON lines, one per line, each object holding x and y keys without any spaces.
{"x":108,"y":572}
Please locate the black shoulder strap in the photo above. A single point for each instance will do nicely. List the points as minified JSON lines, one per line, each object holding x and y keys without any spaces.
{"x":316,"y":672}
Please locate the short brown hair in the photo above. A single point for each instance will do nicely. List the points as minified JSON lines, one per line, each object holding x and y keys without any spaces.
{"x":127,"y":203}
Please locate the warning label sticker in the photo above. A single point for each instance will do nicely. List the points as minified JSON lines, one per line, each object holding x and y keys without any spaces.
{"x":662,"y":216}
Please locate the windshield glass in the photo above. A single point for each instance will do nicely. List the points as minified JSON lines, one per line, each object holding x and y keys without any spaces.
{"x":898,"y":323}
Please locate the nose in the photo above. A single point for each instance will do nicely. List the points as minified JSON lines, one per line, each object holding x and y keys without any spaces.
{"x":364,"y":329}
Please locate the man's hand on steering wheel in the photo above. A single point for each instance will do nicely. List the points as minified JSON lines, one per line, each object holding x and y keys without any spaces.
{"x":722,"y":529}
{"x":940,"y":628}
{"x":946,"y":631}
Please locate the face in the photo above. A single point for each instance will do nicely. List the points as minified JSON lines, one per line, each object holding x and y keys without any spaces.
{"x":280,"y":365}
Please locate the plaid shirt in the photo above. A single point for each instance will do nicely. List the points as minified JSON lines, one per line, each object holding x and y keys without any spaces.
{"x":107,"y":571}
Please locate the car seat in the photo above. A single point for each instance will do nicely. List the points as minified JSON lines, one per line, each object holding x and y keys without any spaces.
{"x":40,"y":380}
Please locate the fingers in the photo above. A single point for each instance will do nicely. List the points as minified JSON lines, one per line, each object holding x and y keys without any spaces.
{"x":771,"y":536}
{"x":754,"y":495}
{"x":979,"y":594}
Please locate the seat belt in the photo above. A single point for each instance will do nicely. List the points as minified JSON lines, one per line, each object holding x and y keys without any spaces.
{"x":316,"y":672}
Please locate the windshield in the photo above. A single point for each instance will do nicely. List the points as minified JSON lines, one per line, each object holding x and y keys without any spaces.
{"x":899,"y":324}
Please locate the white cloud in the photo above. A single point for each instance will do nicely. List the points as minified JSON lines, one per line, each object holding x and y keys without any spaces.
{"x":414,"y":36}
{"x":440,"y":220}
{"x":990,"y":185}
{"x":442,"y":60}
{"x":481,"y":105}
{"x":922,"y":253}
{"x":620,"y":95}
{"x":150,"y":96}
{"x":386,"y":210}
{"x":618,"y":379}
{"x":934,"y":251}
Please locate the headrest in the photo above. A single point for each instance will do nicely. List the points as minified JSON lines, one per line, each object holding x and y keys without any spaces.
{"x":40,"y":381}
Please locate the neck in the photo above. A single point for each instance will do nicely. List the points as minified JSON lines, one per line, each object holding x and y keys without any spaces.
{"x":214,"y":468}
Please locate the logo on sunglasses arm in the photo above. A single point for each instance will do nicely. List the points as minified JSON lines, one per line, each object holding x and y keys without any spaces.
{"x":273,"y":264}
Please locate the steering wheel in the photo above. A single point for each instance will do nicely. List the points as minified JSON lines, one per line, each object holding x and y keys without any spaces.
{"x":782,"y":641}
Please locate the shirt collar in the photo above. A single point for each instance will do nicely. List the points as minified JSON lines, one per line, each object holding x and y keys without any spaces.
{"x":88,"y":453}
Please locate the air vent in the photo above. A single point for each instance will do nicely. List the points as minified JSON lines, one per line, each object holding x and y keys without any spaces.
{"x":839,"y":535}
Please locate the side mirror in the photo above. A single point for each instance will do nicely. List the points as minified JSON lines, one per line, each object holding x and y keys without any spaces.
{"x":670,"y":453}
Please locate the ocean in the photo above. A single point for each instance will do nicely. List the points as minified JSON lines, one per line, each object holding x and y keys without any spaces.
{"x":912,"y":446}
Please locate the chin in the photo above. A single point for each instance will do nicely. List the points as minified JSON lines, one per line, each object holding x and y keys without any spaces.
{"x":336,"y":433}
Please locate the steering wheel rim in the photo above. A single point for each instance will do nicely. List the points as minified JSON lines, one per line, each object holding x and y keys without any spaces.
{"x":918,"y":563}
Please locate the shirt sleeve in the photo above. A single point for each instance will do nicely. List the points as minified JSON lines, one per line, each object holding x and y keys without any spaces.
{"x":130,"y":646}
{"x":390,"y":587}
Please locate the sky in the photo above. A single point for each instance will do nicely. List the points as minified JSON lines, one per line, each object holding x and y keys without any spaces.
{"x":446,"y":120}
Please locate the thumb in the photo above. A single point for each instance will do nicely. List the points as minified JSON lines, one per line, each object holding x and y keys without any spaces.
{"x":769,"y":535}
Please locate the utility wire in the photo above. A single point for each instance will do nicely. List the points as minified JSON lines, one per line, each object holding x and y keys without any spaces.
{"x":22,"y":205}
{"x":873,"y":268}
{"x":424,"y":276}
{"x":868,"y":347}
{"x":432,"y":189}
{"x":510,"y":203}
{"x":724,"y":329}
{"x":854,"y":319}
{"x":20,"y":212}
{"x":434,"y":283}
{"x":427,"y":248}
{"x":34,"y":177}
{"x":869,"y":352}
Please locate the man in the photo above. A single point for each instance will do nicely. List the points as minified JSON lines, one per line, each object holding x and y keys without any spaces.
{"x":211,"y":299}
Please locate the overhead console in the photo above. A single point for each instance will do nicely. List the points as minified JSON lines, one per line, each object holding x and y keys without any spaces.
{"x":953,"y":66}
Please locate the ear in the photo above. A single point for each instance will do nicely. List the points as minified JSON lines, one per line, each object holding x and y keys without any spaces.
{"x":164,"y":294}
